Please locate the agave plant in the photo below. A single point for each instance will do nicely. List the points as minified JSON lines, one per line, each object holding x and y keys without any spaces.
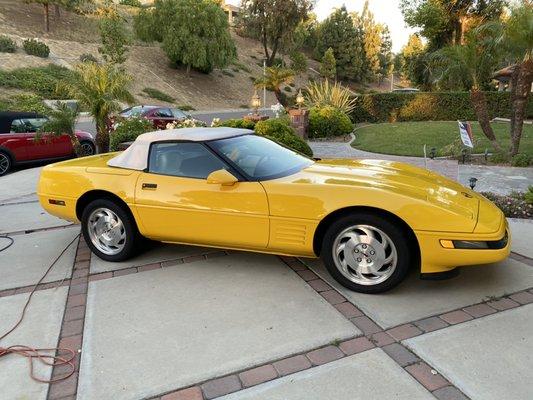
{"x":324,"y":93}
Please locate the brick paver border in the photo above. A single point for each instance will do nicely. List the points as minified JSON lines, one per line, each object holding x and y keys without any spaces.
{"x":373,"y":335}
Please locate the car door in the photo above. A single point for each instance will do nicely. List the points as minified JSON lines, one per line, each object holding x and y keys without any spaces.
{"x":42,"y":147}
{"x":175,"y":203}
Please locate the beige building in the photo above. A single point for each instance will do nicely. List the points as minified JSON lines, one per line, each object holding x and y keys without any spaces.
{"x":231,"y":11}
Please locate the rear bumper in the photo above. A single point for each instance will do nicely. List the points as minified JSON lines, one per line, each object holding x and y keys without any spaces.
{"x":436,"y":259}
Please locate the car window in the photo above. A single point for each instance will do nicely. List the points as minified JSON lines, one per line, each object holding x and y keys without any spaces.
{"x":135,"y":111}
{"x":24,"y":125}
{"x":178,"y":113}
{"x":184,"y":159}
{"x":163,"y":113}
{"x":259,"y":158}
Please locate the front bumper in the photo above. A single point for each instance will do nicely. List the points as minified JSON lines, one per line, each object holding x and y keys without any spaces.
{"x":436,"y":259}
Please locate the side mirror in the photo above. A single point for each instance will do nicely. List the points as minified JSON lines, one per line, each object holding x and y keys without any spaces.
{"x":222,"y":177}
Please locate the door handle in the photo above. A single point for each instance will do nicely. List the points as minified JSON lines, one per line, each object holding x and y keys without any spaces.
{"x":147,"y":186}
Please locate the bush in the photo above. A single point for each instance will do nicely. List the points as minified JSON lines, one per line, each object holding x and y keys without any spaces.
{"x":323,"y":93}
{"x":279,"y":130}
{"x":298,"y":62}
{"x":528,"y":196}
{"x":35,"y":48}
{"x":131,"y":3}
{"x":24,"y":102}
{"x":128,"y":130}
{"x":158,"y":94}
{"x":88,"y":57}
{"x":7,"y":45}
{"x":515,"y":205}
{"x":328,"y":121}
{"x":40,"y":80}
{"x":428,"y":106}
{"x":186,"y":107}
{"x":237,"y":123}
{"x":522,"y":160}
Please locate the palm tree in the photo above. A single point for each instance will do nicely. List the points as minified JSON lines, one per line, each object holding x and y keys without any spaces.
{"x":62,"y":121}
{"x":515,"y":37}
{"x":99,"y":88}
{"x":470,"y":66}
{"x":274,"y":78}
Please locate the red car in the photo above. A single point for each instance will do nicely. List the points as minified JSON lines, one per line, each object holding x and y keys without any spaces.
{"x":159,"y":115}
{"x":18,"y":145}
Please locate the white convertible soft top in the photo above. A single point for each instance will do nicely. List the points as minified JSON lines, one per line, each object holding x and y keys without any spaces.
{"x":136,"y":156}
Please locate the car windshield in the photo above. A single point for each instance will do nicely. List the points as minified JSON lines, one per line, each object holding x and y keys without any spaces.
{"x":259,"y":158}
{"x":136,"y":111}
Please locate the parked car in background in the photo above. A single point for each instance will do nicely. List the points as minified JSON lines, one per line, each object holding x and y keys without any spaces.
{"x":160,"y":116}
{"x":18,"y":144}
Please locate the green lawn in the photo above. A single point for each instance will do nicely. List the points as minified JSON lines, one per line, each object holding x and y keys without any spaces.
{"x":408,"y":138}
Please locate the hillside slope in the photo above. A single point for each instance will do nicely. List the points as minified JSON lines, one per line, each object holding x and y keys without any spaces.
{"x":74,"y":35}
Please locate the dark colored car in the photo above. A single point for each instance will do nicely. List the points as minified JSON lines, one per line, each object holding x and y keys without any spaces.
{"x":18,"y":144}
{"x":159,"y":115}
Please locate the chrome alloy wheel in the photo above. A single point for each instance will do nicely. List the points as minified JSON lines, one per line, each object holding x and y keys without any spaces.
{"x":365,"y":254}
{"x":86,"y":149}
{"x":5,"y":163}
{"x":106,"y":231}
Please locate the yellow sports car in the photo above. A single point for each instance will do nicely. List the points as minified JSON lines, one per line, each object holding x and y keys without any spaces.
{"x":370,"y":221}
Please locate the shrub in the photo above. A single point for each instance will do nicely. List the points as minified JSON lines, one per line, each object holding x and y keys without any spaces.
{"x":328,"y":121}
{"x":158,"y":94}
{"x":428,"y":106}
{"x":115,"y":40}
{"x":521,"y":160}
{"x":35,"y":48}
{"x":186,"y":107}
{"x":298,"y":62}
{"x":88,"y":57}
{"x":131,"y":3}
{"x":528,"y":196}
{"x":7,"y":45}
{"x":128,"y":130}
{"x":41,"y":80}
{"x":321,"y":94}
{"x":29,"y":103}
{"x":237,"y":123}
{"x":279,"y":130}
{"x":515,"y":205}
{"x":499,"y":158}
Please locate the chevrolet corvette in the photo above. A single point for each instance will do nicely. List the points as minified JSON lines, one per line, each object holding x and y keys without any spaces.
{"x":370,"y":221}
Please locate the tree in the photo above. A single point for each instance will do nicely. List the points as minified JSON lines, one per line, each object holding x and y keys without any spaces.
{"x":339,"y":33}
{"x":115,"y":39}
{"x":386,"y":58}
{"x":66,"y":4}
{"x":273,"y":22}
{"x":371,"y":41}
{"x":471,"y":65}
{"x":410,"y":55}
{"x":274,"y":78}
{"x":328,"y":67}
{"x":99,"y":88}
{"x":298,"y":62}
{"x":445,"y":22}
{"x":515,"y":36}
{"x":62,"y":121}
{"x":194,"y":33}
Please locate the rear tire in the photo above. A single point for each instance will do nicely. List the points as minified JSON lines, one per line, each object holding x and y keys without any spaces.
{"x":366,"y":253}
{"x":5,"y":163}
{"x":110,"y":231}
{"x":87,"y":148}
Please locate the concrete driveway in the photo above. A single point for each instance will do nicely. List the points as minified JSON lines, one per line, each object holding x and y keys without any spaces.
{"x":182,"y":322}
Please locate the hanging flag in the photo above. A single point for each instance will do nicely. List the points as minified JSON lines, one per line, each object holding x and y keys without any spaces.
{"x":465,"y":130}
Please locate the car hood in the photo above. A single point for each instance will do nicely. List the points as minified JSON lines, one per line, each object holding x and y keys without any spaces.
{"x":402,"y":179}
{"x":84,"y":135}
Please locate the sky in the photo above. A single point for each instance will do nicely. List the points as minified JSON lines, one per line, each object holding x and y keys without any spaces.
{"x":385,"y":11}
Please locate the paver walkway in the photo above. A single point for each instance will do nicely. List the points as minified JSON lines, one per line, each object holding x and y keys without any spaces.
{"x":182,"y":322}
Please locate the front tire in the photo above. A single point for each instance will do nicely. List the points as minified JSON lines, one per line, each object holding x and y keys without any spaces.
{"x":110,"y":231}
{"x":366,"y":253}
{"x":5,"y":163}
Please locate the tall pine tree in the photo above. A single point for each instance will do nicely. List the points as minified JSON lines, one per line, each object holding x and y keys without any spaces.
{"x":339,"y":32}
